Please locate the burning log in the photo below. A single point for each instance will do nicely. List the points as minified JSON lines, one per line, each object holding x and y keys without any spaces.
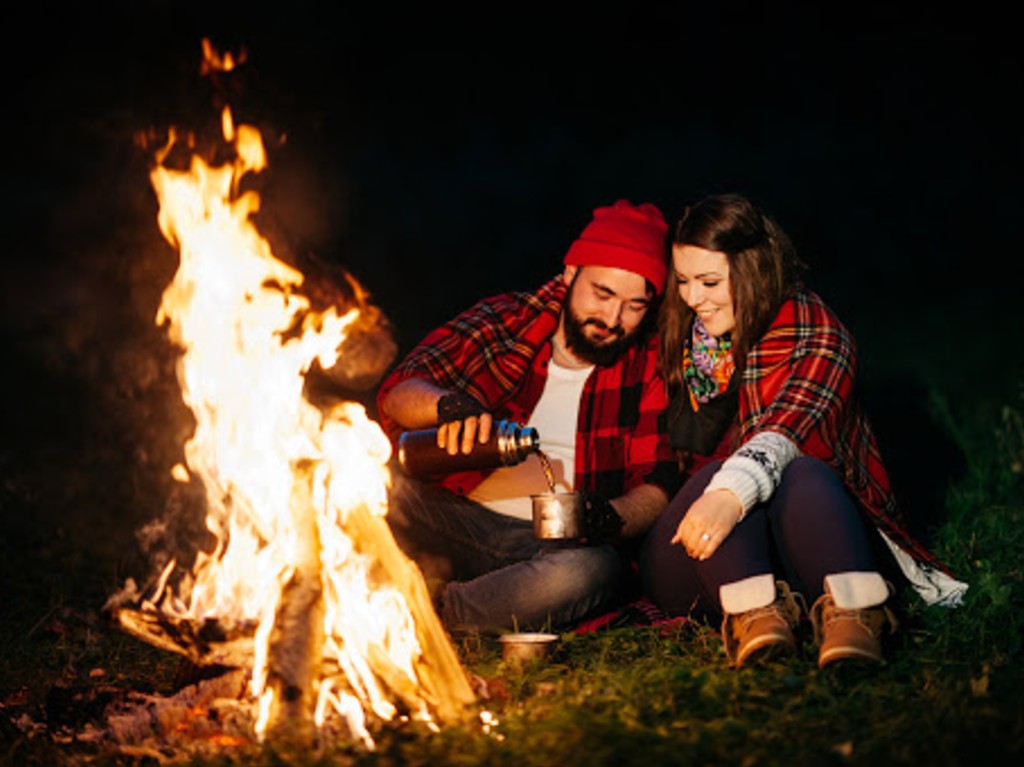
{"x":444,"y":686}
{"x":439,"y":683}
{"x":297,"y":631}
{"x":204,"y":643}
{"x":369,"y":346}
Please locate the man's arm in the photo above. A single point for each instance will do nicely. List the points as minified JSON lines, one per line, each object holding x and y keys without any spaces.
{"x":417,"y":403}
{"x":639,"y":508}
{"x":652,"y":471}
{"x":413,"y":403}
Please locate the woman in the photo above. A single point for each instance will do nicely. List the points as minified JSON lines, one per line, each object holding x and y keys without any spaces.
{"x":787,"y":500}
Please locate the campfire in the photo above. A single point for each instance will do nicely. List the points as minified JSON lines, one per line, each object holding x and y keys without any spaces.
{"x":305,"y":591}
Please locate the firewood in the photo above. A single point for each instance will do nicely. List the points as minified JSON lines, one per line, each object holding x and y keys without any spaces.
{"x":297,"y":638}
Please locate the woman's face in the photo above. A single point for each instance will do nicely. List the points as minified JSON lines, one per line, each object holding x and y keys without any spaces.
{"x":703,"y":277}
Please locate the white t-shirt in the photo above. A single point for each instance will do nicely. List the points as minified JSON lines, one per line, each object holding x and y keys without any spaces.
{"x":507,"y":490}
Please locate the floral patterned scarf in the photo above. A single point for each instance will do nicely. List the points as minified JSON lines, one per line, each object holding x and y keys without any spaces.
{"x":708,"y":365}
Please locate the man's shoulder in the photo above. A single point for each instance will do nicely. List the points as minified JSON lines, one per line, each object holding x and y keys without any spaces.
{"x":551,"y":292}
{"x":513,"y":308}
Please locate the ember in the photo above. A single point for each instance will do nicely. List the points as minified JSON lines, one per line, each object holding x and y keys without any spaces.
{"x":305,"y":588}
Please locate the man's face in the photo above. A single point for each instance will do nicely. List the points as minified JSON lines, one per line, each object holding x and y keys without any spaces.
{"x":604,"y":311}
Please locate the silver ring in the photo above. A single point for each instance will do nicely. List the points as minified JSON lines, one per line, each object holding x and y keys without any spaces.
{"x":705,"y":537}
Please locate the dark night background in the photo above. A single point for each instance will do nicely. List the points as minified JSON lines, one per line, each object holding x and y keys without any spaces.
{"x":443,"y":155}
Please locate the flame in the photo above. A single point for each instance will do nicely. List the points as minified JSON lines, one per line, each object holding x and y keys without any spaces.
{"x":295,"y":493}
{"x":217,"y":61}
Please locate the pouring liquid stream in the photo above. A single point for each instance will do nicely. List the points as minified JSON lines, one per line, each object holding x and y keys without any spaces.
{"x":549,"y":474}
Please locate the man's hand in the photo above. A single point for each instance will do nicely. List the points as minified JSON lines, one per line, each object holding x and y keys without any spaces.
{"x":462,"y":435}
{"x":456,"y":406}
{"x":461,"y":422}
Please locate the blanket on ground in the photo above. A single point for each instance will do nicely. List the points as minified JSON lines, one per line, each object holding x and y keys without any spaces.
{"x":639,"y":612}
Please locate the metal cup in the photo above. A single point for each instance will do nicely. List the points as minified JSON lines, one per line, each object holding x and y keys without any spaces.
{"x":520,"y":649}
{"x":557,"y":516}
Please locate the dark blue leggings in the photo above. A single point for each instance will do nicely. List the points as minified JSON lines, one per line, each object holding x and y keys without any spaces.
{"x":809,"y":528}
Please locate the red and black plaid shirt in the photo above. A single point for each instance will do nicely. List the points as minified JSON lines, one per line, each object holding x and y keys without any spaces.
{"x":498,"y":353}
{"x":798,"y":381}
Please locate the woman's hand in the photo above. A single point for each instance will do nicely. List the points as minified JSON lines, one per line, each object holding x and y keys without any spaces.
{"x":708,"y":522}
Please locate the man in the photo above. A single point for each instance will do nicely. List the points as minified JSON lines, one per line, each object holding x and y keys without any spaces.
{"x":576,"y":360}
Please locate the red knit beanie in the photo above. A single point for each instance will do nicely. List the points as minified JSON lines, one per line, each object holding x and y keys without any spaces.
{"x":625,"y":236}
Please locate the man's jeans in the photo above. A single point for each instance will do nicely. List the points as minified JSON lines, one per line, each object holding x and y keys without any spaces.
{"x":500,"y":578}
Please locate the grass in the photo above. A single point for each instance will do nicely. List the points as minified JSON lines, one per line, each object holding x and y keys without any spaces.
{"x":949,"y":694}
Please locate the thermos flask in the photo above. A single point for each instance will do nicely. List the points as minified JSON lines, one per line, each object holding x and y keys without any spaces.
{"x":510,"y":443}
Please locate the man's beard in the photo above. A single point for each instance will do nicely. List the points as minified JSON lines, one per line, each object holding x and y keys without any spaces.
{"x":600,"y":354}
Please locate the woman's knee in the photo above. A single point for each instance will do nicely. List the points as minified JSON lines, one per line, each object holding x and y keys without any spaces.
{"x":808,"y":468}
{"x":811,"y":497}
{"x":810,"y":481}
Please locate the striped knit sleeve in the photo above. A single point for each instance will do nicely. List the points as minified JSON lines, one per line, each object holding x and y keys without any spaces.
{"x":754,"y":470}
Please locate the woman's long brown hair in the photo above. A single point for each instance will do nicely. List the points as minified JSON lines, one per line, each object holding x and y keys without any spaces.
{"x":764,"y":270}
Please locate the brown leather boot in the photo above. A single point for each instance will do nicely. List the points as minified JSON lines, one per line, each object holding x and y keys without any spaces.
{"x":844,"y":634}
{"x":764,"y":632}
